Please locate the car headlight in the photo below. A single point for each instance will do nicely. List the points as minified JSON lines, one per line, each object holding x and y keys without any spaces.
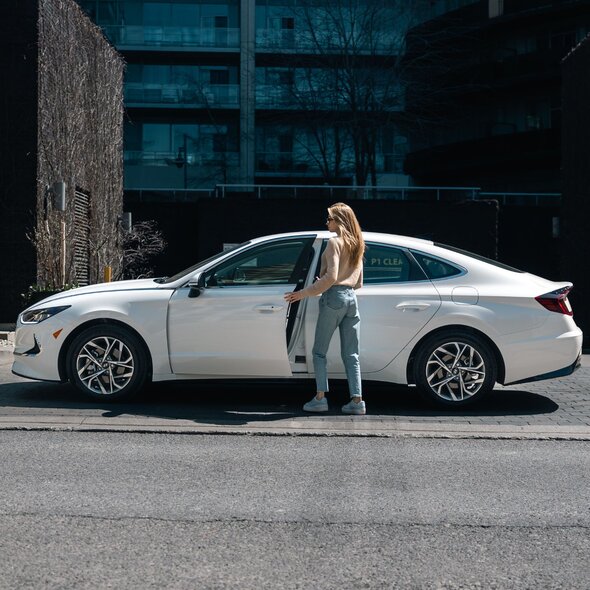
{"x":36,"y":316}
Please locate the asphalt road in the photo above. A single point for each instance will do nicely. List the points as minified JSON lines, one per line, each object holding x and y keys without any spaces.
{"x":126,"y":510}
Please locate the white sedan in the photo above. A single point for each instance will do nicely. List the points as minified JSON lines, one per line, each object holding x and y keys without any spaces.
{"x":448,"y":321}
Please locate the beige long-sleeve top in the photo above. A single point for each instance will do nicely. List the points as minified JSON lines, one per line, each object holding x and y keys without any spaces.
{"x":336,"y":269}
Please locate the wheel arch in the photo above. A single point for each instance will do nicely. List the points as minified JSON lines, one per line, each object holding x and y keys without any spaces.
{"x":63,"y":353}
{"x":454,"y":328}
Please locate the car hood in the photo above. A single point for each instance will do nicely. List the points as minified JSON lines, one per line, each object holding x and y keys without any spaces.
{"x":101,"y":288}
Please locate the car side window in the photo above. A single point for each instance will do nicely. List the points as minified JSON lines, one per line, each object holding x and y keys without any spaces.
{"x":435,"y":268}
{"x":276,"y":263}
{"x":386,"y":264}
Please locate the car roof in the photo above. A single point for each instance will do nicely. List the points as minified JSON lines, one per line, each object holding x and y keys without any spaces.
{"x":367,"y":235}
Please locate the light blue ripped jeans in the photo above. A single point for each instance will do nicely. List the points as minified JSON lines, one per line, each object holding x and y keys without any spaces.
{"x":338,"y":309}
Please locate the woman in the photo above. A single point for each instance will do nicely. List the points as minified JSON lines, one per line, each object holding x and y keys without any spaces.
{"x":341,"y":273}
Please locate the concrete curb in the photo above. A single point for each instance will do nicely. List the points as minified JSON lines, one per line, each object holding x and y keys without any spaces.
{"x":299,"y":428}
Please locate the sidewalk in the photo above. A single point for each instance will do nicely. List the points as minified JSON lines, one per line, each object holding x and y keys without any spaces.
{"x":545,"y":410}
{"x":6,"y":342}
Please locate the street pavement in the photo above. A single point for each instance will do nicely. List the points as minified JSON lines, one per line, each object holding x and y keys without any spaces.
{"x":554,"y":409}
{"x":90,"y":510}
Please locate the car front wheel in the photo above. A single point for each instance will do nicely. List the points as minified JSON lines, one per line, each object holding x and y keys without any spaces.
{"x":455,"y":369}
{"x":107,"y":362}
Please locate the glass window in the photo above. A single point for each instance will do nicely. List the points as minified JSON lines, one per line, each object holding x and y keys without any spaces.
{"x":184,"y":15}
{"x":108,"y":13}
{"x":288,"y":23}
{"x":156,"y":137}
{"x":435,"y":268}
{"x":219,"y":76}
{"x":156,"y":14}
{"x":185,"y":136}
{"x":155,"y":74}
{"x":134,"y":73}
{"x":277,"y":263}
{"x":385,"y":264}
{"x":132,"y":134}
{"x":89,"y":7}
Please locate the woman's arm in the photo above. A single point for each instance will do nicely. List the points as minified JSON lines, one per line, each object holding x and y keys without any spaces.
{"x":332,"y":260}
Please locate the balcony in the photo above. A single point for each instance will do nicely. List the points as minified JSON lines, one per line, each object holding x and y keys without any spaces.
{"x":168,"y":158}
{"x":269,"y":96}
{"x":216,"y":96}
{"x":291,"y":41}
{"x":303,"y":165}
{"x":166,"y":170}
{"x":140,"y":37}
{"x":284,"y":162}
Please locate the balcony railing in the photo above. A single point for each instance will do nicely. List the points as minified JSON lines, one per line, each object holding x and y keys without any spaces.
{"x":169,"y":158}
{"x":282,"y":97}
{"x":537,"y":199}
{"x":189,"y":37}
{"x":302,"y":164}
{"x":438,"y":193}
{"x":304,"y":42}
{"x":215,"y":95}
{"x":404,"y":193}
{"x":284,"y":162}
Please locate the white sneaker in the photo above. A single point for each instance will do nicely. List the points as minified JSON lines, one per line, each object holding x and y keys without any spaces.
{"x":353,"y":408}
{"x":316,"y":405}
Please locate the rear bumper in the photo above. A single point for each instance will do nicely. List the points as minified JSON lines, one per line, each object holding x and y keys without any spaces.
{"x":553,"y":374}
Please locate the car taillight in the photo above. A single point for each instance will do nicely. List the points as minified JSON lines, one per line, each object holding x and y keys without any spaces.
{"x":556,"y":301}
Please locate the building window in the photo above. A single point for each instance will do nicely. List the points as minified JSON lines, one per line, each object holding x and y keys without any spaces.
{"x":220,"y":143}
{"x":221,"y":22}
{"x":219,"y":76}
{"x":495,"y":8}
{"x":563,"y":41}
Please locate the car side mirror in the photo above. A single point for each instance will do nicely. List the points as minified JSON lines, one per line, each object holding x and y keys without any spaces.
{"x":198,"y":286}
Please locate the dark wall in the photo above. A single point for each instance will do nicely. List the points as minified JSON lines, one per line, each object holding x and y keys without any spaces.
{"x":195,"y":231}
{"x":526,"y":241}
{"x":18,"y":151}
{"x":576,"y":180}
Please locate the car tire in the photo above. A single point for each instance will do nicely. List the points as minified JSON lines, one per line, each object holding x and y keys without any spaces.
{"x":454,"y":369}
{"x":107,"y":362}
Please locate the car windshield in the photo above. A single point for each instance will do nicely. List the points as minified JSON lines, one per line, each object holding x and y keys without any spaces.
{"x":478,"y":257}
{"x":196,"y":266}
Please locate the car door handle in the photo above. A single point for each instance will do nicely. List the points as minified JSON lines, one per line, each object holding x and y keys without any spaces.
{"x":268,"y":308}
{"x":413,"y":305}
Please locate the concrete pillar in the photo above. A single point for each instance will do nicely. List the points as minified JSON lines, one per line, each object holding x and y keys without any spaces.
{"x":247,"y":90}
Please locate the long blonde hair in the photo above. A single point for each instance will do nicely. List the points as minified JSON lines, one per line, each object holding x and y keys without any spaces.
{"x":350,"y":231}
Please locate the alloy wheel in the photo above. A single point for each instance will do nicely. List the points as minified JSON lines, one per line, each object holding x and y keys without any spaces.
{"x":105,"y":365}
{"x":455,"y":371}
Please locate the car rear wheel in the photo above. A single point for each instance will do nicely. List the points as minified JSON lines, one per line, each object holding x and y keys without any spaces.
{"x":455,"y":369}
{"x":107,"y":362}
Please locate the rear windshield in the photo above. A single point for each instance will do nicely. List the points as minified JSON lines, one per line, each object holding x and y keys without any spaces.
{"x":478,"y":257}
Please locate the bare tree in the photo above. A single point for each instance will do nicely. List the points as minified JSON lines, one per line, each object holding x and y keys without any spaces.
{"x":80,"y":114}
{"x":141,"y":243}
{"x":349,"y":79}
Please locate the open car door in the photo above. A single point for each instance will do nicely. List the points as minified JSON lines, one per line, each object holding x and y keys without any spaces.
{"x":237,"y":326}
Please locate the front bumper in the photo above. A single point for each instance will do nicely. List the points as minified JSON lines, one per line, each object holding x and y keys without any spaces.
{"x":36,"y":351}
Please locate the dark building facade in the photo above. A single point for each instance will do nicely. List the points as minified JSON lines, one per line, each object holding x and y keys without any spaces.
{"x":576,"y":180}
{"x":61,"y":149}
{"x":239,"y":91}
{"x":487,"y":94}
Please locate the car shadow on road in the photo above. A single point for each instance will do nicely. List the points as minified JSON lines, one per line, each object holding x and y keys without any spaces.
{"x":241,"y":403}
